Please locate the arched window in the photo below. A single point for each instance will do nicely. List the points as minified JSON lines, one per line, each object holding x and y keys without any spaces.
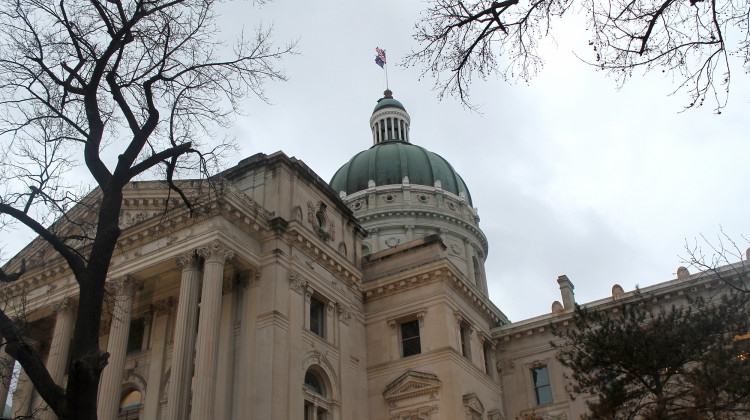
{"x":130,"y":404}
{"x":317,"y":402}
{"x":312,"y":382}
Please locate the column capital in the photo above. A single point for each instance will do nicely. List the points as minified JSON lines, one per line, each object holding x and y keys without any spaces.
{"x":215,"y":251}
{"x":65,"y":307}
{"x":188,"y":261}
{"x":297,"y":282}
{"x":125,"y":286}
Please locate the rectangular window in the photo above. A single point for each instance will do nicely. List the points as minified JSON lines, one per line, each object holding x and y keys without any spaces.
{"x":135,"y":336}
{"x":410,"y":343}
{"x":465,"y":341}
{"x":488,"y":362}
{"x":541,"y":385}
{"x":317,"y":317}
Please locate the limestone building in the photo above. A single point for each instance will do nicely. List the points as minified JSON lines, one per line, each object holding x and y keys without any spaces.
{"x":284,"y":297}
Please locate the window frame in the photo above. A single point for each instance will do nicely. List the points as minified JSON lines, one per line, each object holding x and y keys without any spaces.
{"x":540,"y":386}
{"x":417,"y":337}
{"x":316,"y":302}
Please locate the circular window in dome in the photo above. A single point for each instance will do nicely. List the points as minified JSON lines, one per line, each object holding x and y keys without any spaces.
{"x":389,"y":198}
{"x":357,"y":205}
{"x":424,"y":198}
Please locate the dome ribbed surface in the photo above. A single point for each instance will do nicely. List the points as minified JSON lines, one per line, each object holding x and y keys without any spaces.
{"x":387,"y":163}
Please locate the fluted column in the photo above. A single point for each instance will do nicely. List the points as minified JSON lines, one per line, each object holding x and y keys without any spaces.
{"x":160,"y":313}
{"x":111,"y":383}
{"x":184,"y":338}
{"x":207,"y":343}
{"x":60,"y":347}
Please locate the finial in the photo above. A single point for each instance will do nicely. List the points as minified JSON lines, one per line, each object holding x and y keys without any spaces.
{"x":388,"y":94}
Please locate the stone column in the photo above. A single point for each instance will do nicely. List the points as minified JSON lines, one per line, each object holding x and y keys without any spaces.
{"x":22,"y":396}
{"x":6,"y":372}
{"x":160,"y":312}
{"x":184,"y":339}
{"x":60,"y":347}
{"x":209,"y":323}
{"x":117,"y":345}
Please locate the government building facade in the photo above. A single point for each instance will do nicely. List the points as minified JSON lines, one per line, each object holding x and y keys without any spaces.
{"x":283,"y":296}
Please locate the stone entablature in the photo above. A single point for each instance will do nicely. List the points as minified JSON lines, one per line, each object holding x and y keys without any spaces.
{"x":438,"y":269}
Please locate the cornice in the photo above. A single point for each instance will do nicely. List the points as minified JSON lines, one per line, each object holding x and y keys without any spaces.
{"x":325,"y":256}
{"x":439,"y":271}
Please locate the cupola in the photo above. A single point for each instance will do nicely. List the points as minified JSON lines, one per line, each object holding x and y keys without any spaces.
{"x":389,"y":121}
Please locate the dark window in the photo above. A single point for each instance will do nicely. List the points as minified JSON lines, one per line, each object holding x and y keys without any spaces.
{"x":317,"y":317}
{"x":477,"y":272}
{"x":309,"y":411}
{"x":410,"y":344}
{"x":312,"y":382}
{"x":541,"y":385}
{"x":135,"y":336}
{"x":465,"y":341}
{"x":488,"y":359}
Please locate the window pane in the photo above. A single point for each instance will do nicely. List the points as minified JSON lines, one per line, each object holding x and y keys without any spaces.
{"x":317,"y":311}
{"x":135,"y":336}
{"x":313,"y":383}
{"x":488,"y":360}
{"x":541,"y":377}
{"x":409,"y":330}
{"x":412,"y":346}
{"x":542,"y":386}
{"x":464,"y":347}
{"x":544,"y":395}
{"x":410,"y":338}
{"x":131,"y":401}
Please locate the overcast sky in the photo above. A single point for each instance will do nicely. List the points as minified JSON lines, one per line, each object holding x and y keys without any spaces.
{"x":570,"y":176}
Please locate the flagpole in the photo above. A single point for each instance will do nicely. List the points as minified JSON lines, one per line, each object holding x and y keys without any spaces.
{"x":386,"y":76}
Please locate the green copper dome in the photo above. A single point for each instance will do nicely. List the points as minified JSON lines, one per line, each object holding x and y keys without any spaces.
{"x":388,"y":162}
{"x":388,"y":102}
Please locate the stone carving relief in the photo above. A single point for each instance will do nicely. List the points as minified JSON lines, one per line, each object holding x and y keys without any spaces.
{"x":389,"y":198}
{"x":413,"y":395}
{"x":392,"y":241}
{"x":456,"y":248}
{"x":131,"y":218}
{"x":342,"y":249}
{"x":320,"y":221}
{"x":297,"y":213}
{"x":297,"y":282}
{"x":473,"y":407}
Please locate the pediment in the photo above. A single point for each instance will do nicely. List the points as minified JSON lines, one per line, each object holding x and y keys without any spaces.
{"x":472,"y":402}
{"x":412,"y":384}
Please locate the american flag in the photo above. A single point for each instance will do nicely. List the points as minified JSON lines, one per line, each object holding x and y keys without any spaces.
{"x":381,"y":56}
